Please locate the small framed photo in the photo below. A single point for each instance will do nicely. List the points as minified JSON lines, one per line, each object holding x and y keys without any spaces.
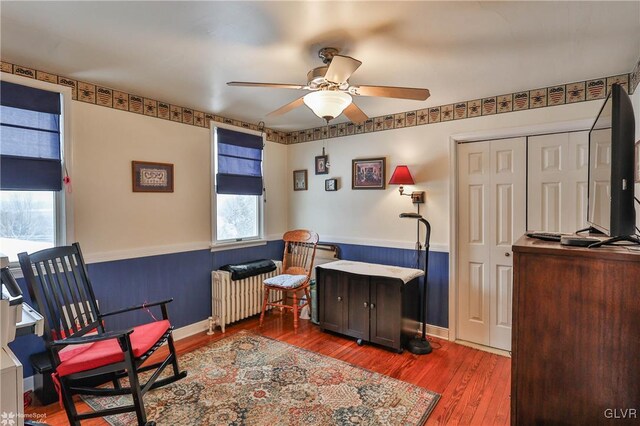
{"x":331,"y":184}
{"x":152,"y":177}
{"x":299,"y":180}
{"x":321,"y":165}
{"x":637,"y":163}
{"x":368,"y":173}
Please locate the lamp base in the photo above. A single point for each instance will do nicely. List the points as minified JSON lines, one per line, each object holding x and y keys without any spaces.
{"x":419,"y":347}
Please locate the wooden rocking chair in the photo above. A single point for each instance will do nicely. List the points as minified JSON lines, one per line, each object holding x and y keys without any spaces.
{"x":76,"y":339}
{"x":297,"y":265}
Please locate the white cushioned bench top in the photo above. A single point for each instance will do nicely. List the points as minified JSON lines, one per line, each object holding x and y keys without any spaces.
{"x":373,"y":269}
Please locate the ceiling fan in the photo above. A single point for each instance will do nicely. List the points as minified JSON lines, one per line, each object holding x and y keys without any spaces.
{"x":330,"y":91}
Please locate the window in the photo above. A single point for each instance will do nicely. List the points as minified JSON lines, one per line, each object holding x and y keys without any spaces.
{"x":31,"y":196}
{"x":237,"y":212}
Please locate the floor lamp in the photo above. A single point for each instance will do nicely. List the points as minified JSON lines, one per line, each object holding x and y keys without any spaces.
{"x":422,"y":346}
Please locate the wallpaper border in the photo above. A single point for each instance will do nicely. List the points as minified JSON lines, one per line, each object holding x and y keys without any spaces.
{"x":561,"y":94}
{"x":117,"y":99}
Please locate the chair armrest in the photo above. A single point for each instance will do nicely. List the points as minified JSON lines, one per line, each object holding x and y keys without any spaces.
{"x":133,"y":308}
{"x":92,"y":338}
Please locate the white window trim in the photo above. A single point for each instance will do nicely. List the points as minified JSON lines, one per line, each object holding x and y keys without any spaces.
{"x":65,"y":232}
{"x":248,"y":242}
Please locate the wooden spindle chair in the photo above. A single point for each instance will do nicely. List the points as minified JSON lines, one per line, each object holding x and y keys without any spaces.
{"x":79,"y":346}
{"x":297,"y":265}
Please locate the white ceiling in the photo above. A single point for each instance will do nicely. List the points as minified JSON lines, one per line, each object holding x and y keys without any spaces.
{"x":185,"y":52}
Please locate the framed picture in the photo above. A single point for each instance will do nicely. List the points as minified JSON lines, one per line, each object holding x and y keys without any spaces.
{"x":368,"y":173}
{"x":299,"y":180}
{"x":331,"y":184}
{"x":637,"y":179}
{"x":321,"y":165}
{"x":152,"y":177}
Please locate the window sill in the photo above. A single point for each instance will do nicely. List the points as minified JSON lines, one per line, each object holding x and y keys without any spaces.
{"x":237,"y":244}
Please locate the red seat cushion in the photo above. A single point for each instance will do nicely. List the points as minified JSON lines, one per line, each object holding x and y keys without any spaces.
{"x":76,"y":358}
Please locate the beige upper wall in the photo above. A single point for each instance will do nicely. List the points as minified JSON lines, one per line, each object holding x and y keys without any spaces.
{"x":371,"y":216}
{"x":109,"y":216}
{"x":111,"y":221}
{"x":277,"y":197}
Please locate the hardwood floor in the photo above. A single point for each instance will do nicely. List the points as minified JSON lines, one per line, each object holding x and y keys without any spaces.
{"x":475,"y":385}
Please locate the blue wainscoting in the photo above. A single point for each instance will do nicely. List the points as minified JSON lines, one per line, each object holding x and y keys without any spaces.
{"x":438,"y":307}
{"x":185,"y":277}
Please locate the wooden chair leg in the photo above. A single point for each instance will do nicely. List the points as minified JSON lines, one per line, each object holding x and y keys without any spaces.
{"x":295,"y":310}
{"x":172,"y":351}
{"x":264,"y":304}
{"x":136,"y":392}
{"x":67,"y":401}
{"x":116,"y":382}
{"x":308,"y":294}
{"x":134,"y":383}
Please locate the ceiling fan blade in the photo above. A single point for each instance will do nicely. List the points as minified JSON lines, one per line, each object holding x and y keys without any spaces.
{"x":341,"y":68}
{"x":355,"y":114}
{"x":286,"y":108}
{"x":274,"y":85}
{"x":391,"y":92}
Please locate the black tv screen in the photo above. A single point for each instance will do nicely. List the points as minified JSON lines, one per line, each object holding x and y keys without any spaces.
{"x":611,"y":162}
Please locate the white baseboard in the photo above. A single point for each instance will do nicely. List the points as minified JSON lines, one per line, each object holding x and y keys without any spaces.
{"x":28,"y":384}
{"x":191,"y":329}
{"x":437,"y":331}
{"x":178,"y":334}
{"x":484,"y":348}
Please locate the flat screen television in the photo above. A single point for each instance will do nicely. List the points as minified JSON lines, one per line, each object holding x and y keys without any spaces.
{"x":610,"y":202}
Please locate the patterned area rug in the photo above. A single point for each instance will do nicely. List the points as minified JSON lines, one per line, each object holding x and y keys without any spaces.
{"x":248,"y":379}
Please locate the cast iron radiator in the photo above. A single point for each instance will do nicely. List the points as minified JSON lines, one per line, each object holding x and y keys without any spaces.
{"x":232,"y":301}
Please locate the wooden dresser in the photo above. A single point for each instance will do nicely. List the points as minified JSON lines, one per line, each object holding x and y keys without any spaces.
{"x":576,"y":335}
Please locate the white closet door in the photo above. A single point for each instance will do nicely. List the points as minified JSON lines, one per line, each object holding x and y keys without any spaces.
{"x":508,"y":173}
{"x":474,"y":256}
{"x":601,"y":191}
{"x":491,"y":191}
{"x":557,"y":182}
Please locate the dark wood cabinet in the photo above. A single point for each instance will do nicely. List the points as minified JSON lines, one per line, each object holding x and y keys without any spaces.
{"x":357,"y":307}
{"x":387,"y":299}
{"x":576,"y":335}
{"x":330,"y":301}
{"x":380,"y":310}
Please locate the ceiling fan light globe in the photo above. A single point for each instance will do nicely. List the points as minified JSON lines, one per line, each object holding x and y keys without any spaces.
{"x":327,"y":104}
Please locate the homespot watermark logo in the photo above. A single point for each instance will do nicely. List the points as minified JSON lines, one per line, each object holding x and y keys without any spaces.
{"x":7,"y":419}
{"x":11,"y":418}
{"x":621,"y":413}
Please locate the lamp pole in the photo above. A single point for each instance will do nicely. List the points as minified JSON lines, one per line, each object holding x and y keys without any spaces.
{"x":422,"y":346}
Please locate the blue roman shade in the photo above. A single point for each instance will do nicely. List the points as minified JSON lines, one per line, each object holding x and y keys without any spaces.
{"x":239,"y":163}
{"x":29,"y":139}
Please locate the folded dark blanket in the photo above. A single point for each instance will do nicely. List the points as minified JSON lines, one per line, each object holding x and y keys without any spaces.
{"x":241,"y":271}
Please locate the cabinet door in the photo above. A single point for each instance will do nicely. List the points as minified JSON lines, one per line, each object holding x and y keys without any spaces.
{"x":356,"y":312}
{"x":331,"y":298}
{"x":386,"y":303}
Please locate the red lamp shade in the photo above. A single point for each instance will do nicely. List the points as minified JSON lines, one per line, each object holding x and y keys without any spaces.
{"x":401,"y":176}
